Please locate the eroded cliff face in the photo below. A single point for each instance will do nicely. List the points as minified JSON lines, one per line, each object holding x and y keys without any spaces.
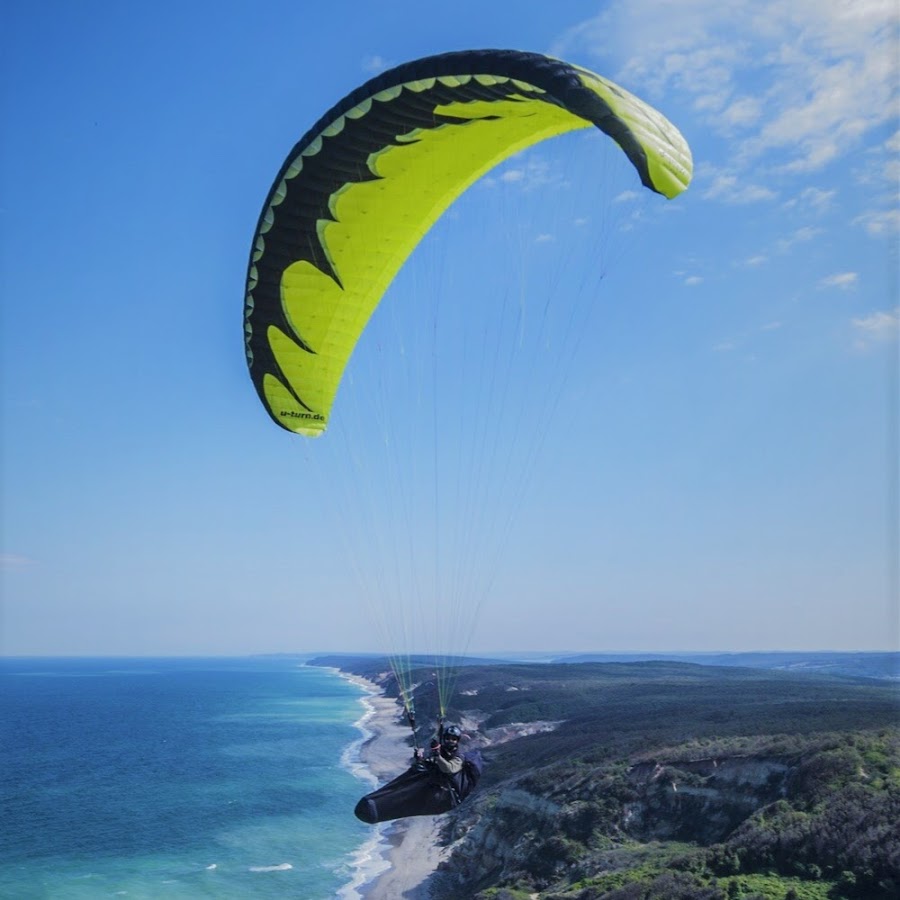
{"x":494,"y":841}
{"x":512,"y":834}
{"x":702,"y":800}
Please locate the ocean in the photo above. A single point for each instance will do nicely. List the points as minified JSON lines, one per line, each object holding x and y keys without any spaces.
{"x":181,"y":778}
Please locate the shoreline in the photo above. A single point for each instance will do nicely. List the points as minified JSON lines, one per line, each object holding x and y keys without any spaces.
{"x":400,"y":858}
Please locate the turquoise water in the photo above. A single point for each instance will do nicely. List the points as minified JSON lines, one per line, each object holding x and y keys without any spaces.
{"x":178,"y":779}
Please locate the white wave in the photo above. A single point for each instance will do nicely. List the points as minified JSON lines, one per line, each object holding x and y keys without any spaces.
{"x":211,"y":866}
{"x":368,"y":862}
{"x":283,"y":867}
{"x":352,"y":761}
{"x":350,"y":757}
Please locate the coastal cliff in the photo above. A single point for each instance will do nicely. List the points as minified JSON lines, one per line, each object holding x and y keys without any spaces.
{"x":666,"y":780}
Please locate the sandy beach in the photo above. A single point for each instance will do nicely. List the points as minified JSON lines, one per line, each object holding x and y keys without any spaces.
{"x":409,"y":846}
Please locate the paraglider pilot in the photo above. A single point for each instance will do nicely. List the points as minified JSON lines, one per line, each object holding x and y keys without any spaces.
{"x":445,"y":750}
{"x":432,"y":785}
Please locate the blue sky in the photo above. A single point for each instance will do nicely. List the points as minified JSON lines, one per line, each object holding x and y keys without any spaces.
{"x":720,"y":469}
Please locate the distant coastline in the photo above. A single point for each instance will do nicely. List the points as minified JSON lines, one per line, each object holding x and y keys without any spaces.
{"x":863,"y":664}
{"x":873,"y":664}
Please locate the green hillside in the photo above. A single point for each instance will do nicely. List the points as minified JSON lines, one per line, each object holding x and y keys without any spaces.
{"x":663,"y":780}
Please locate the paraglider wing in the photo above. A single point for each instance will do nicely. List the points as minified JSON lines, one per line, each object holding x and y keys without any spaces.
{"x":366,"y":183}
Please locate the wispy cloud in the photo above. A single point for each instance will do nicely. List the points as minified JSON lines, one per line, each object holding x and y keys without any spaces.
{"x":882,"y":172}
{"x":528,"y":172}
{"x":688,"y":278}
{"x":812,"y":199}
{"x":732,"y":189}
{"x":753,"y":262}
{"x":843,"y":280}
{"x":782,"y":246}
{"x":800,"y":236}
{"x":879,"y":222}
{"x":877,"y":327}
{"x":793,"y":86}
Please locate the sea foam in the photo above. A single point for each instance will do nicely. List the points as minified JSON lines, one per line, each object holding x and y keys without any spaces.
{"x":369,"y":861}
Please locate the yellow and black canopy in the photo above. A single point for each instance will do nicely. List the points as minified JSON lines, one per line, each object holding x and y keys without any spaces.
{"x":368,"y":180}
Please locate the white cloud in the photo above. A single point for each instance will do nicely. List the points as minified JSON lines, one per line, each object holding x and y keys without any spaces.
{"x":731,"y":189}
{"x":794,"y":84}
{"x":879,"y":326}
{"x":544,"y":238}
{"x":693,"y":280}
{"x":881,"y":170}
{"x":800,"y":236}
{"x":755,"y":261}
{"x":880,"y":222}
{"x":743,"y":112}
{"x":843,"y":280}
{"x":881,"y":165}
{"x":529,"y":172}
{"x":812,"y":199}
